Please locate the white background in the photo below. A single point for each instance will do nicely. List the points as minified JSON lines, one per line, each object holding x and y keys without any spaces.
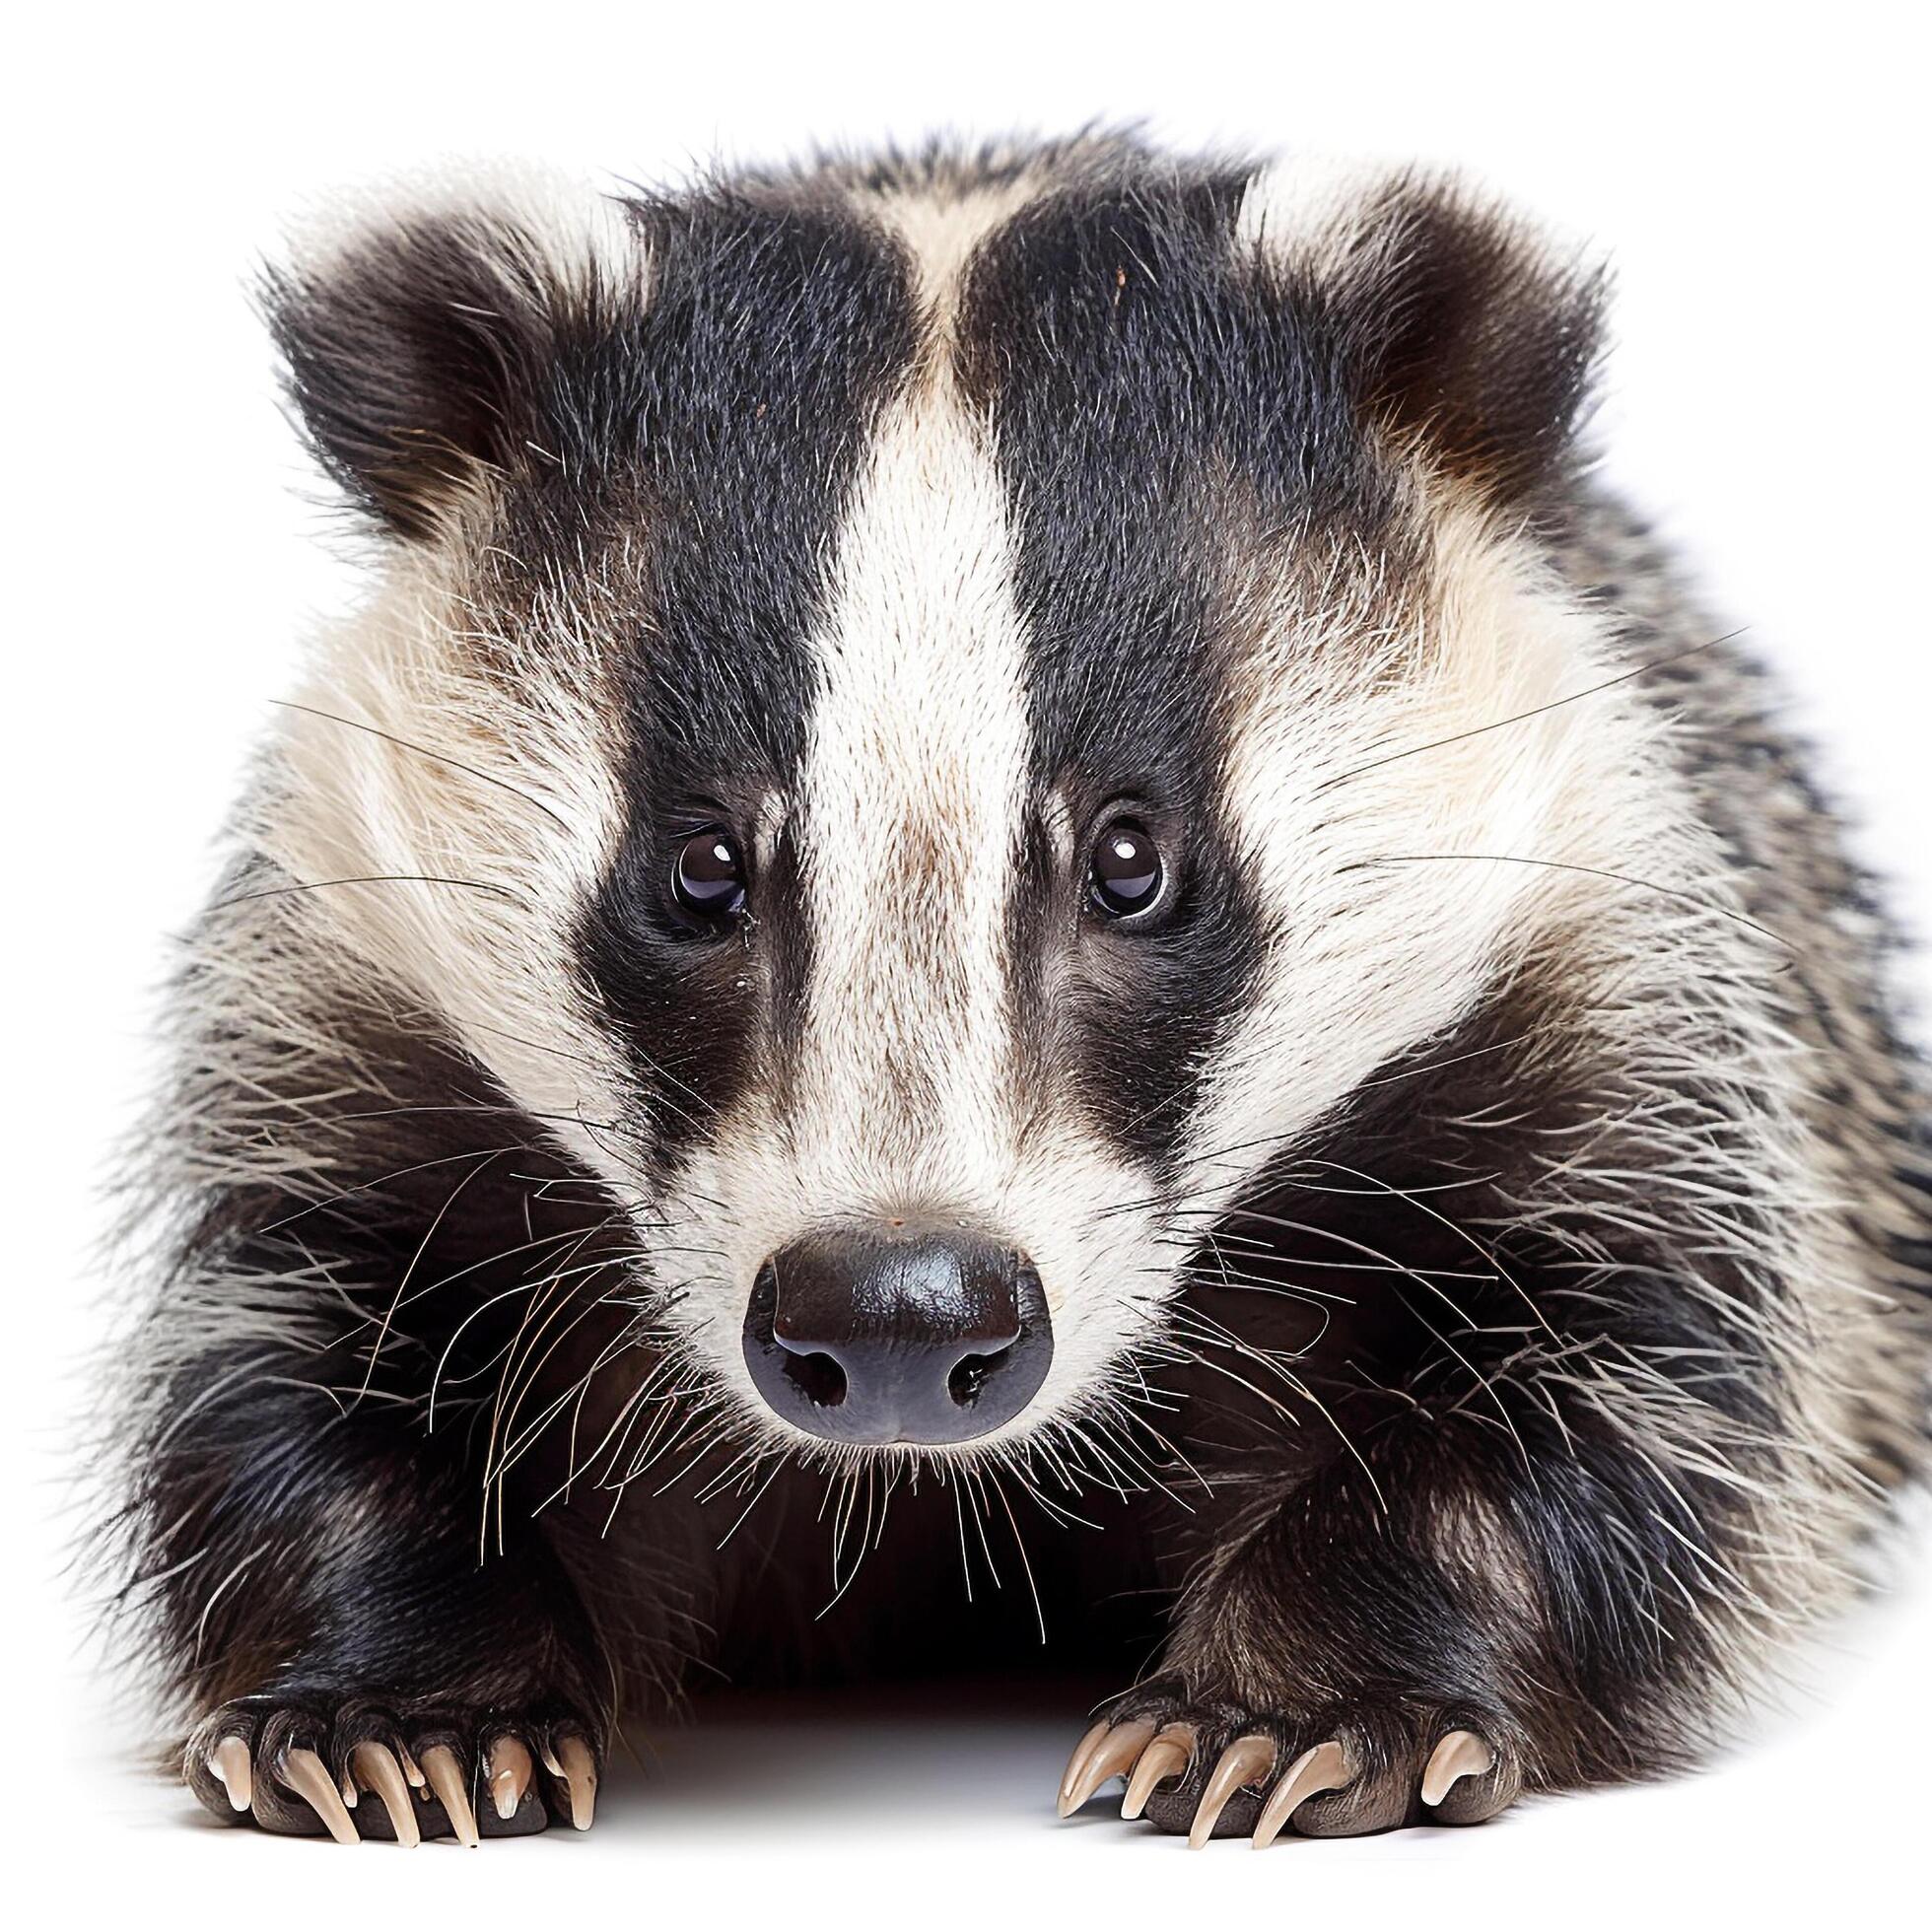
{"x":1758,"y":176}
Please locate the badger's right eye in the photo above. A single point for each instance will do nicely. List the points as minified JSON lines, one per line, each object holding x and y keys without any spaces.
{"x":1125,"y":873}
{"x":708,"y":874}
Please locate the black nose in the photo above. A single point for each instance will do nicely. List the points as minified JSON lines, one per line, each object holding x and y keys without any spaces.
{"x":897,"y":1335}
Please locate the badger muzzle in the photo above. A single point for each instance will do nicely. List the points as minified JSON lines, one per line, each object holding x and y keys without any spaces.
{"x":894,"y":1334}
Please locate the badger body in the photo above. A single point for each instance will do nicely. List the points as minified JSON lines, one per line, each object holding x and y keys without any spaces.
{"x":1010,"y":876}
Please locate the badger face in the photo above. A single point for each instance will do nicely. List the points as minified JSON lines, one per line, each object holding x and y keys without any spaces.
{"x":897,"y":694}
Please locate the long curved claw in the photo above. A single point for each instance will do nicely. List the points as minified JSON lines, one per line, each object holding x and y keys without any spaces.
{"x":579,"y":1770}
{"x":446,"y":1778}
{"x":1462,"y":1754}
{"x":304,"y":1774}
{"x":1166,"y":1757}
{"x":376,"y":1766}
{"x":1107,"y":1750}
{"x":1324,"y":1768}
{"x":1247,"y":1761}
{"x":510,"y":1771}
{"x":1074,"y":1775}
{"x":229,"y":1762}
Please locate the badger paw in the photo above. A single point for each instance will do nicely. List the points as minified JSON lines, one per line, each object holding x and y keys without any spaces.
{"x":1216,"y":1770}
{"x":359,"y":1769}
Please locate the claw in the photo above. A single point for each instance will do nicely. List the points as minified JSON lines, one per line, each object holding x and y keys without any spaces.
{"x":1107,"y":1750}
{"x":228,"y":1761}
{"x":303,"y":1773}
{"x":446,"y":1778}
{"x":1071,"y":1777}
{"x":1462,"y":1754}
{"x":412,"y":1770}
{"x":377,"y":1768}
{"x":1247,"y":1761}
{"x":1167,"y":1757}
{"x":579,"y":1770}
{"x":510,"y":1770}
{"x":1325,"y":1768}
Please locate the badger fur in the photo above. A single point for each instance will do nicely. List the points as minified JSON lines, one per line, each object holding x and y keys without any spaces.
{"x":1010,"y":874}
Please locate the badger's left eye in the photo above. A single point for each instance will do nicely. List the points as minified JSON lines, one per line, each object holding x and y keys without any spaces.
{"x":708,"y":874}
{"x":1124,"y":876}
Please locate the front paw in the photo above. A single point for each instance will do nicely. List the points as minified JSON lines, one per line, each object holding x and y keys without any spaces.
{"x":357,"y":1766}
{"x":1224,"y":1768}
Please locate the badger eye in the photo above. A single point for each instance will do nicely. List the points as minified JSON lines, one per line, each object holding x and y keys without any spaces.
{"x":708,"y":874}
{"x":1125,"y":874}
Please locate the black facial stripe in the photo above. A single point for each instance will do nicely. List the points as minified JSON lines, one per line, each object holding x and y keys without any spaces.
{"x":1132,"y":363}
{"x":777,"y":330}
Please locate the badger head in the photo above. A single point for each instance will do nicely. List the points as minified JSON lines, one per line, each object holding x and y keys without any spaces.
{"x":887,"y":708}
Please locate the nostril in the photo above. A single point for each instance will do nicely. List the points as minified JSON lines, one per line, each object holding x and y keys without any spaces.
{"x":817,"y":1377}
{"x":969,"y":1375}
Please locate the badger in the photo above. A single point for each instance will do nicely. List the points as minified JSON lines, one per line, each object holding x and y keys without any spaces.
{"x":1011,"y":877}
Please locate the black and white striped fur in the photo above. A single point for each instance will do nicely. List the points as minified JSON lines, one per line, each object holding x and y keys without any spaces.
{"x":1485,"y":1215}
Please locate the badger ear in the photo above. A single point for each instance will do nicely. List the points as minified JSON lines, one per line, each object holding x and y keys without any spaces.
{"x":1465,"y":329}
{"x":425,"y":341}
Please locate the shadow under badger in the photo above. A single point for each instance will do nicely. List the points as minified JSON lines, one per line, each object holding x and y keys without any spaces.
{"x":1008,"y":873}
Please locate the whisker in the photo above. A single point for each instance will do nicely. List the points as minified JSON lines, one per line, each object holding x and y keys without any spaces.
{"x":383,"y":1181}
{"x":756,"y":1497}
{"x":1019,"y":1544}
{"x":476,"y":1107}
{"x":1460,"y":1232}
{"x":1563,"y":866}
{"x":408,"y":1273}
{"x":584,"y":1060}
{"x":1537,"y":711}
{"x":424,"y":751}
{"x":368,"y":879}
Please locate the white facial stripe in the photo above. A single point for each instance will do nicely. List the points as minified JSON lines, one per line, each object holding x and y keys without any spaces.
{"x":912,"y":791}
{"x":1389,"y":925}
{"x":461,"y":815}
{"x":913,"y":785}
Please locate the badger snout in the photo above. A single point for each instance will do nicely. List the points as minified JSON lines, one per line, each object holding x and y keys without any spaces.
{"x":897,"y":1334}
